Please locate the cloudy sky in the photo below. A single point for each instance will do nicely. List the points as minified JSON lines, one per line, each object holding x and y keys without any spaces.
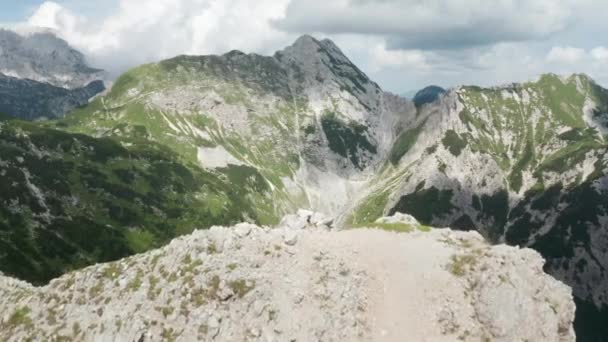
{"x":402,"y":44}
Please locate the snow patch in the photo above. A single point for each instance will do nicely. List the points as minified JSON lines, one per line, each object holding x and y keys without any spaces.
{"x":216,"y":157}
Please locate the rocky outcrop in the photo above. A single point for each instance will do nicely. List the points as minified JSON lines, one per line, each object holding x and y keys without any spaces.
{"x":301,"y":281}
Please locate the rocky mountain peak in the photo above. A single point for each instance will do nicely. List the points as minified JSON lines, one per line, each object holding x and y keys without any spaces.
{"x":322,"y":56}
{"x":322,"y":71}
{"x":307,"y":45}
{"x":305,"y":42}
{"x":43,"y":57}
{"x":41,"y":76}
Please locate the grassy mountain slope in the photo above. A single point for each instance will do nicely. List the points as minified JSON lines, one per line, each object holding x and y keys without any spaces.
{"x":69,"y":200}
{"x":182,"y":144}
{"x":146,"y":102}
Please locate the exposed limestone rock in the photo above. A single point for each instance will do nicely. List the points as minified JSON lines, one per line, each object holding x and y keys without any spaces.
{"x":245,"y":283}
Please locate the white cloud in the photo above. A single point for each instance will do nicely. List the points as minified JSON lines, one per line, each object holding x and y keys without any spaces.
{"x":412,"y":60}
{"x":140,"y":31}
{"x":600,"y":53}
{"x":565,"y":55}
{"x":402,"y":44}
{"x":432,"y":24}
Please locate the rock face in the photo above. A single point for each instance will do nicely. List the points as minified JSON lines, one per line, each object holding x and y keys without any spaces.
{"x":250,"y":283}
{"x":41,"y":76}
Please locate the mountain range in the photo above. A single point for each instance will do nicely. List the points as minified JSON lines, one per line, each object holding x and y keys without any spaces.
{"x":196,"y":141}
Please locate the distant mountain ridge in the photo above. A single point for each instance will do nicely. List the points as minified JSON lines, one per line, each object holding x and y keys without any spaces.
{"x":41,"y":76}
{"x":428,"y":95}
{"x":45,"y":58}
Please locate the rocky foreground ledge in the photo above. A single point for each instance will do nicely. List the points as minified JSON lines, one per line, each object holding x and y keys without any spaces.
{"x":303,"y":281}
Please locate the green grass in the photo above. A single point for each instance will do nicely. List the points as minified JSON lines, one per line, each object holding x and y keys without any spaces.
{"x":515,"y":178}
{"x":20,"y":318}
{"x":112,"y":271}
{"x":240,"y":287}
{"x":135,"y":283}
{"x":571,"y":155}
{"x":404,"y":143}
{"x":397,"y":227}
{"x":564,"y":99}
{"x":460,"y":265}
{"x":140,"y":240}
{"x":371,"y":209}
{"x":453,"y":142}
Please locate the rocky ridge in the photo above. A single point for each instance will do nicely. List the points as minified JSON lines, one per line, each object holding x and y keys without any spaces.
{"x":524,"y":164}
{"x":302,"y":280}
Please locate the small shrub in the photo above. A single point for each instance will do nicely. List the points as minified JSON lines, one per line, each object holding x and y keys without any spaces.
{"x":21,"y":317}
{"x":167,"y":311}
{"x":453,"y":142}
{"x":136,"y":282}
{"x":112,"y":271}
{"x":240,"y":287}
{"x":461,"y":264}
{"x":212,"y":248}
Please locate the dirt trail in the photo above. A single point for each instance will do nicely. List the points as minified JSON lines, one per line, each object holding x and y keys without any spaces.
{"x":409,"y":281}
